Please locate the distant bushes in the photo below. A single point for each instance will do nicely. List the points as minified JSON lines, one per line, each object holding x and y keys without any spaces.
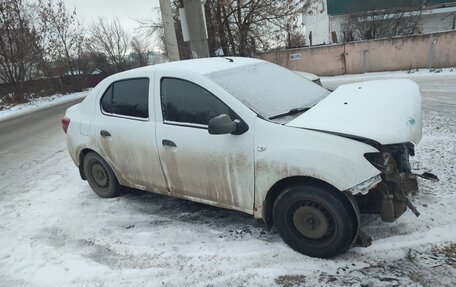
{"x":46,"y":87}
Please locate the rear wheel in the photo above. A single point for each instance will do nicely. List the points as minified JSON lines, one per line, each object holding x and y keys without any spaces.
{"x":100,"y":176}
{"x":315,"y":220}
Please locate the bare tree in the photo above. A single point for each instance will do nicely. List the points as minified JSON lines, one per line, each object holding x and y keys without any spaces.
{"x":294,"y":33}
{"x":250,"y":26}
{"x":110,"y":38}
{"x":63,"y":42}
{"x":373,"y":19}
{"x":140,"y":47}
{"x":246,"y":27}
{"x":241,"y":27}
{"x":89,"y":61}
{"x":64,"y":38}
{"x":154,"y":28}
{"x":20,"y":52}
{"x":295,"y":39}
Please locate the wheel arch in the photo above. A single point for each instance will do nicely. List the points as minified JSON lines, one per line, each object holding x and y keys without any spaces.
{"x":282,"y":184}
{"x":117,"y":174}
{"x":81,"y":156}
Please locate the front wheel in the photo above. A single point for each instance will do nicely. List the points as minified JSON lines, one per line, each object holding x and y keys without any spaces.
{"x":100,"y":176}
{"x":315,"y":220}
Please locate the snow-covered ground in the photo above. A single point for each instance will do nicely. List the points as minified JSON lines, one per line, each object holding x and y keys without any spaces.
{"x":54,"y":231}
{"x":415,"y":73}
{"x":8,"y":112}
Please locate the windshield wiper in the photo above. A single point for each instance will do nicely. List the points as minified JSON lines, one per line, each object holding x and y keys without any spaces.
{"x":289,"y":113}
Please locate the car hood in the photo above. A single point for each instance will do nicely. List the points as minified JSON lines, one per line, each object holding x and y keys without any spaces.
{"x":386,"y":111}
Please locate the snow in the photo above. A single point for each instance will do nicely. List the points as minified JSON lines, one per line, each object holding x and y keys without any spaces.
{"x":344,"y":111}
{"x":200,"y":66}
{"x":54,"y":231}
{"x":13,"y":111}
{"x":411,"y":74}
{"x":268,"y":89}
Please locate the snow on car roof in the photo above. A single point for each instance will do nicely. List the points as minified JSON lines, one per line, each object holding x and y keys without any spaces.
{"x":202,"y":66}
{"x":209,"y":65}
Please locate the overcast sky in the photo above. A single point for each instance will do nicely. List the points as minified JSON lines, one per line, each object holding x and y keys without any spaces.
{"x":126,"y":10}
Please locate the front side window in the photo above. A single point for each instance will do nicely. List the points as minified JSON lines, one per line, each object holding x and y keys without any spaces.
{"x":186,"y":102}
{"x":127,"y":98}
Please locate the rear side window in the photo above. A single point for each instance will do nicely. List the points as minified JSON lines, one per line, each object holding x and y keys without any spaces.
{"x":186,"y":102}
{"x":127,"y":98}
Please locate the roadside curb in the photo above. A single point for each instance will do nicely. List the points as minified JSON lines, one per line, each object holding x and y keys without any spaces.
{"x":31,"y":110}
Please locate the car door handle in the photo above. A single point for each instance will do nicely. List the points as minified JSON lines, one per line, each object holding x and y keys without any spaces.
{"x":168,"y":143}
{"x":105,"y":133}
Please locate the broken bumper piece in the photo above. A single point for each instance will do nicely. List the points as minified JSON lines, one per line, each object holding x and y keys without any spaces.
{"x":365,"y":186}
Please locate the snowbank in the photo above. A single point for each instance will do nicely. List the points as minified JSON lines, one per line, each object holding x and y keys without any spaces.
{"x":415,"y":73}
{"x":39,"y":104}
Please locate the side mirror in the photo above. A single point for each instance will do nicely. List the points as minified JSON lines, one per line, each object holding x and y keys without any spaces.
{"x":222,"y":125}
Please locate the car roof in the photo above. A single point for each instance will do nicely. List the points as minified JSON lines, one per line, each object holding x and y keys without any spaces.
{"x":202,"y":66}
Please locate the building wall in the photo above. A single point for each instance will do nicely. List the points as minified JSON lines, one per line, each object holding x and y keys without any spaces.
{"x":335,"y":25}
{"x":316,"y":20}
{"x":437,"y":22}
{"x":435,"y":50}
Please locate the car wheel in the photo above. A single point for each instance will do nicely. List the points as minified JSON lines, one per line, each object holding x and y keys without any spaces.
{"x":100,"y":176}
{"x":314,"y":220}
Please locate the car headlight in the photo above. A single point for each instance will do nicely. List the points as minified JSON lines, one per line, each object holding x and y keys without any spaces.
{"x":366,"y":185}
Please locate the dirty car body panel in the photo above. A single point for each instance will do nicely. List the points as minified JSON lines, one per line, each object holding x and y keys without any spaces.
{"x":216,"y":169}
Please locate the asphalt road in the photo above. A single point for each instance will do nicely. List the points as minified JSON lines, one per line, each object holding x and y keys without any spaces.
{"x":23,"y":137}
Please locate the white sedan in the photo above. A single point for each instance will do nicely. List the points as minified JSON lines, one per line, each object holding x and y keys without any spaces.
{"x":248,"y":135}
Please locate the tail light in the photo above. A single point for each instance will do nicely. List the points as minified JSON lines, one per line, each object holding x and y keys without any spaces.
{"x":65,"y":124}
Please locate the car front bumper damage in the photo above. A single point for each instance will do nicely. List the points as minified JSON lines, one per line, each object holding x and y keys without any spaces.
{"x":389,"y":197}
{"x":388,"y":193}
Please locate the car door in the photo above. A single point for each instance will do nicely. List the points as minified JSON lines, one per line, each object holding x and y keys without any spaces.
{"x":215,"y":169}
{"x":124,"y":130}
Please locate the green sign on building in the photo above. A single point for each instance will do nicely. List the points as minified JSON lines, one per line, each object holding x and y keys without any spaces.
{"x":341,"y":7}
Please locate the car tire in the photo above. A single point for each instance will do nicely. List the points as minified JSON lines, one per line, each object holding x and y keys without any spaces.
{"x":100,"y":176}
{"x":315,"y":220}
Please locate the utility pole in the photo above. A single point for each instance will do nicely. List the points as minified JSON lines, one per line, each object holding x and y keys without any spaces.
{"x":170,"y":32}
{"x":196,"y":23}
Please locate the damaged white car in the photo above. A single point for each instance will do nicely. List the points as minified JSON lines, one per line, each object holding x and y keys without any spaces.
{"x":251,"y":136}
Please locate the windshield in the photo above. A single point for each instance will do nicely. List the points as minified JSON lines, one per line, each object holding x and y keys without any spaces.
{"x":270,"y":90}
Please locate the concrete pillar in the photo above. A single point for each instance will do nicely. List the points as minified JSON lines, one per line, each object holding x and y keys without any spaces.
{"x":365,"y":61}
{"x":431,"y":53}
{"x":196,"y":22}
{"x":170,"y":32}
